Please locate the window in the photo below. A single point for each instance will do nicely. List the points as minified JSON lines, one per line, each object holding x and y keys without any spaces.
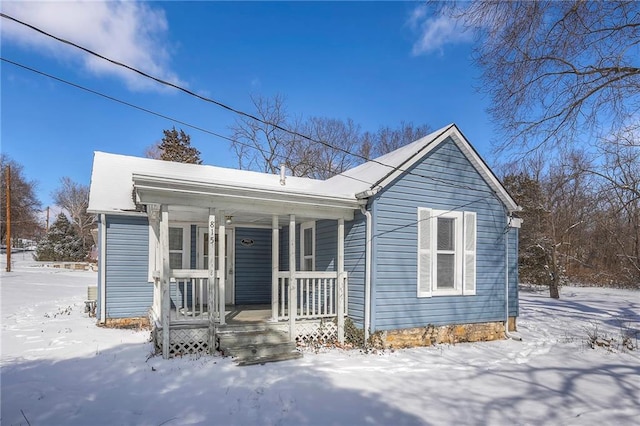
{"x":176,"y":247}
{"x":307,"y":246}
{"x":446,"y":253}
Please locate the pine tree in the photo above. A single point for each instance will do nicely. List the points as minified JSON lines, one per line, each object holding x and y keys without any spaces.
{"x":62,"y":243}
{"x":176,"y":146}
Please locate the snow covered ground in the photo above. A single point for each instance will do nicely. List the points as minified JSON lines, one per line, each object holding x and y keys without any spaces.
{"x":58,"y":368}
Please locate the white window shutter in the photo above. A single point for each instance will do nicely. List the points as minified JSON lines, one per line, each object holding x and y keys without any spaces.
{"x":424,"y":253}
{"x":469,"y":287}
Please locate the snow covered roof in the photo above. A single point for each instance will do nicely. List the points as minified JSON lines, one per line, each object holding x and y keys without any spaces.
{"x":112,"y":179}
{"x":369,"y":178}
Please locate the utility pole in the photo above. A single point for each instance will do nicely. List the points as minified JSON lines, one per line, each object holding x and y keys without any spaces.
{"x":47,"y":229}
{"x":8,"y":218}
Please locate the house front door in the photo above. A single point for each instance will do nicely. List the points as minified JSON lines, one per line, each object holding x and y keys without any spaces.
{"x":229,"y":255}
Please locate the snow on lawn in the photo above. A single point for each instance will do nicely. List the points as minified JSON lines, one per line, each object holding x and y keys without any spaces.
{"x":57,"y":368}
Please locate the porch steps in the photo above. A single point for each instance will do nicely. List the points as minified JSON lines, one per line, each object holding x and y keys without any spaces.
{"x":255,"y":343}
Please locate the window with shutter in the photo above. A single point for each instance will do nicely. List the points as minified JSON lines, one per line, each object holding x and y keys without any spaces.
{"x":446,"y":253}
{"x":424,"y":252}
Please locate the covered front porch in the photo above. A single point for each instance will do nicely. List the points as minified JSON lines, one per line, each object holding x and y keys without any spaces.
{"x":198,"y":292}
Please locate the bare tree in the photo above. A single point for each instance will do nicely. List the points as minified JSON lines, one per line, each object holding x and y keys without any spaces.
{"x":619,"y":194}
{"x":556,"y":198}
{"x":153,"y":151}
{"x":331,"y":147}
{"x":74,"y":198}
{"x":554,"y":69}
{"x":260,"y":146}
{"x":24,"y":202}
{"x":388,"y":139}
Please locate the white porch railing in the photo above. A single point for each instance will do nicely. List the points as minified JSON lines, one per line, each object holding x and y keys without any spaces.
{"x":316,"y":294}
{"x":190,"y":295}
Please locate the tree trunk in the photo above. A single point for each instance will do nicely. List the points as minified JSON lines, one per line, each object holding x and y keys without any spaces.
{"x":554,"y":284}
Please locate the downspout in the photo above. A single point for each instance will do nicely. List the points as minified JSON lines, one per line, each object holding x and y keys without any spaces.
{"x":102,"y":251}
{"x":367,"y":274}
{"x":506,"y":283}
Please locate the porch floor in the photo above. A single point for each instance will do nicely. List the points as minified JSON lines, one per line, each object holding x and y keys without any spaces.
{"x":234,"y":314}
{"x":247,"y":313}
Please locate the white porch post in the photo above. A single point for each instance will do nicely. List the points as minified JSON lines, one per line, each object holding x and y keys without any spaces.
{"x":211,"y":293}
{"x":275,"y":260}
{"x":221,"y":265}
{"x":293,"y":292}
{"x":340,"y":282}
{"x":165,"y":273}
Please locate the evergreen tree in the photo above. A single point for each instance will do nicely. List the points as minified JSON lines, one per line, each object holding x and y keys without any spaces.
{"x":176,"y":146}
{"x":62,"y":243}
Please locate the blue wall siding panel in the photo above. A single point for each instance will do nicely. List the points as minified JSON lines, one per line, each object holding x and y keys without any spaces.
{"x":253,"y":266}
{"x":354,"y":264}
{"x":395,"y":240}
{"x":129,"y":294}
{"x":326,"y":245}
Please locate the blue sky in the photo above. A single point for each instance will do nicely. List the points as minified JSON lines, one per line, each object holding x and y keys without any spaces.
{"x":378,"y":63}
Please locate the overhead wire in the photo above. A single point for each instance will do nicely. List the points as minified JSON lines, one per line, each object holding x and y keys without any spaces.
{"x":237,"y":111}
{"x":157,"y":114}
{"x":199,"y":128}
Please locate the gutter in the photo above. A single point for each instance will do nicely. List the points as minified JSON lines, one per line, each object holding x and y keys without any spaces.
{"x":511,"y":223}
{"x":367,"y":274}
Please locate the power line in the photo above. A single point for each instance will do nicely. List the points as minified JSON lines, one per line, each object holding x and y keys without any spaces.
{"x":157,"y":114}
{"x":236,"y":111}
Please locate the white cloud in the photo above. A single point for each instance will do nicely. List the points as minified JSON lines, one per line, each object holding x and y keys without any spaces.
{"x":434,"y":32}
{"x":130,"y":32}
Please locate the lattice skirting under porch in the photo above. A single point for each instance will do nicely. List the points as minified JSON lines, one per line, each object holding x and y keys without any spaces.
{"x":184,"y":341}
{"x":316,"y":332}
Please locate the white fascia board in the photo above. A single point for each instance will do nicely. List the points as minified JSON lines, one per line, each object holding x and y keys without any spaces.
{"x":152,"y":189}
{"x":178,"y":184}
{"x":119,"y":212}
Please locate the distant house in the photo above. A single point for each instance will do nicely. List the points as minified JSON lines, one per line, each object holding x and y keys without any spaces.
{"x":415,"y":247}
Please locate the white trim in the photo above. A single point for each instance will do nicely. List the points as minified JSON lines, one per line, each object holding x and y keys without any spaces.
{"x":460,"y":252}
{"x":177,"y":191}
{"x":186,"y":243}
{"x":103,"y":268}
{"x":304,"y":226}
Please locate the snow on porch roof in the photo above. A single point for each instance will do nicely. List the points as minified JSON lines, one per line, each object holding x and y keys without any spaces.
{"x":112,"y":180}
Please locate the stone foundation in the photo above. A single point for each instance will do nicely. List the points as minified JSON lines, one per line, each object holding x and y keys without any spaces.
{"x":431,"y":335}
{"x":140,"y":323}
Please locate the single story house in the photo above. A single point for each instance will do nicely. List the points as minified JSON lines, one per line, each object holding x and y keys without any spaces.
{"x":415,"y":247}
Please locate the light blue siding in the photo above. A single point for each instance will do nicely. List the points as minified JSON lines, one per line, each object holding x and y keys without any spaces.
{"x":129,"y":294}
{"x":354,"y":264}
{"x":326,"y":245}
{"x":253,"y":266}
{"x":444,"y":180}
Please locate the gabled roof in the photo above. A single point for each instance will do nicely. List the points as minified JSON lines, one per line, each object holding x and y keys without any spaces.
{"x":112,"y":181}
{"x":371,"y":177}
{"x":113,"y":176}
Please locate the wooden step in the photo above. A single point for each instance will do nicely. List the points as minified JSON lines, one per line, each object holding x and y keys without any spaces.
{"x":251,"y":338}
{"x":273,"y":358}
{"x":262,"y":350}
